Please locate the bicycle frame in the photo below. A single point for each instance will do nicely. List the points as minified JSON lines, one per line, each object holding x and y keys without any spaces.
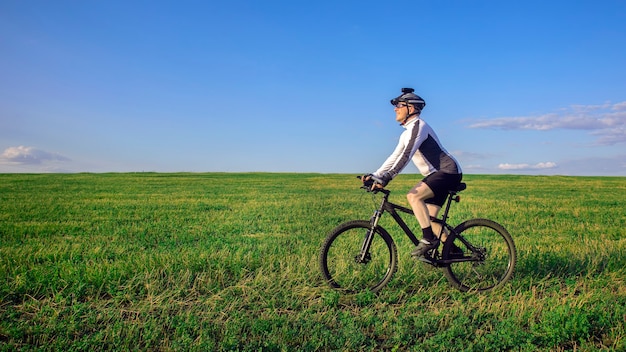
{"x":392,"y":209}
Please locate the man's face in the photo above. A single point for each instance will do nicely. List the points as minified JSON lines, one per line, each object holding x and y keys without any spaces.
{"x":402,"y":111}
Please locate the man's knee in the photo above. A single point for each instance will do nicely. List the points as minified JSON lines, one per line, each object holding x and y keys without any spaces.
{"x":418,"y":195}
{"x":415,"y":200}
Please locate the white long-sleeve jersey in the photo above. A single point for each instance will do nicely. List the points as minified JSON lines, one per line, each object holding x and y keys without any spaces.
{"x":420,"y":144}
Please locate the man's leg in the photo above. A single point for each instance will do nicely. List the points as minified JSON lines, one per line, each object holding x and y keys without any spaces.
{"x":433,"y":211}
{"x":416,"y":197}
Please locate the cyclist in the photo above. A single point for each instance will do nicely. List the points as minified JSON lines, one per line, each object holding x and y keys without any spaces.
{"x":440,"y":169}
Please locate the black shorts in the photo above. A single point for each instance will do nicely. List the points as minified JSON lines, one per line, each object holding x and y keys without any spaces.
{"x":440,"y":183}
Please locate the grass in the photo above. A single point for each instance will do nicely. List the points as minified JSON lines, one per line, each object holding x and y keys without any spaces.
{"x":223,"y":261}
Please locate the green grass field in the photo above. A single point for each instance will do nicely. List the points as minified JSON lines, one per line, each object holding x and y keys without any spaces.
{"x":223,"y":261}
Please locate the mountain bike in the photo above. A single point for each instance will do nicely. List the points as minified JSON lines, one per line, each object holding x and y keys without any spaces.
{"x":477,"y":255}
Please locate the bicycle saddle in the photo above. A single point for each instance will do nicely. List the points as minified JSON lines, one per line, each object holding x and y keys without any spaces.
{"x":460,"y":187}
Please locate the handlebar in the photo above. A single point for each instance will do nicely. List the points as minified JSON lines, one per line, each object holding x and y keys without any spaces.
{"x":369,"y":186}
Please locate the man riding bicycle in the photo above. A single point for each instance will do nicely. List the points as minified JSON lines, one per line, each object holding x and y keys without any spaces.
{"x":440,"y":169}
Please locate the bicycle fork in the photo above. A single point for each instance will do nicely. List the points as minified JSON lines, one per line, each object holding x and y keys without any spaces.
{"x":364,"y":255}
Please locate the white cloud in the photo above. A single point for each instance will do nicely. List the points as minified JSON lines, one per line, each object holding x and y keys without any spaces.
{"x":29,"y":156}
{"x":539,"y":166}
{"x":611,"y":137}
{"x":620,"y":106}
{"x":607,"y":121}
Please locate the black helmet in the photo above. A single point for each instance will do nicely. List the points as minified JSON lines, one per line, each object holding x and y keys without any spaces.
{"x":409,"y":97}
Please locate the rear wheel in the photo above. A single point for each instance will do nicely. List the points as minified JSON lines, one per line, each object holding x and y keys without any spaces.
{"x":488,"y":256}
{"x":340,"y":258}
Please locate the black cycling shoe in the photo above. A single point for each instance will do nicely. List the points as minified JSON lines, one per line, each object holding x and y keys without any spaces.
{"x":424,"y":246}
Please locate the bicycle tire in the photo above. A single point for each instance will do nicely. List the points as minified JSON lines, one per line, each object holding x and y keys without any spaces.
{"x":492,"y":262}
{"x":338,"y":262}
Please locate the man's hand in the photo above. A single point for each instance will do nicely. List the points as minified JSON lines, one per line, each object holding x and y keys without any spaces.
{"x":367,"y":180}
{"x":372,"y":182}
{"x":377,"y":185}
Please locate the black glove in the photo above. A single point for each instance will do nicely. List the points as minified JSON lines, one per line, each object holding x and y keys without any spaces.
{"x":367,"y":179}
{"x":383,"y":180}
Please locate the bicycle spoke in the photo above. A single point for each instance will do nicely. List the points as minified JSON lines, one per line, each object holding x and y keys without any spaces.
{"x":491,"y":257}
{"x":343,"y":268}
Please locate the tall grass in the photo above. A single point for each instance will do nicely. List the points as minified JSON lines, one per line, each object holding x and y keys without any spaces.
{"x":229,"y":262}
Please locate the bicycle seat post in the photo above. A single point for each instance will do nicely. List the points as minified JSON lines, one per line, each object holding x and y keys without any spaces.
{"x":452,"y":195}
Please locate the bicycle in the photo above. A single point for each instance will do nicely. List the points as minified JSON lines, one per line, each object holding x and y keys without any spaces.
{"x":359,"y":255}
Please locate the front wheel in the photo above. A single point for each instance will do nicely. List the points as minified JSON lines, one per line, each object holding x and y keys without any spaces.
{"x":345,"y":269}
{"x":484,"y":256}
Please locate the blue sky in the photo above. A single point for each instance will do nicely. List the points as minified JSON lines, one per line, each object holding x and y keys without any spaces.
{"x":532,"y":87}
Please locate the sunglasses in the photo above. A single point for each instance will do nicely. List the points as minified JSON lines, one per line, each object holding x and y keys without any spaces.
{"x":401,"y":105}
